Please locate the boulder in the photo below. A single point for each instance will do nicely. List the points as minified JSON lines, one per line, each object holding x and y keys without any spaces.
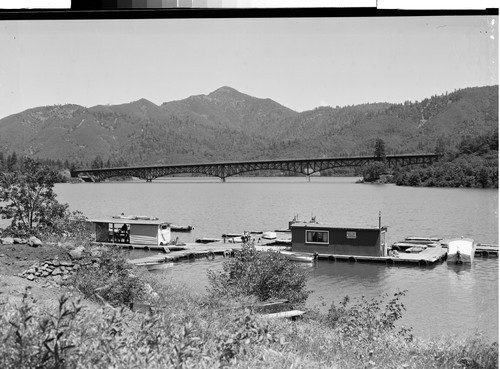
{"x":30,"y":277}
{"x":34,"y":241}
{"x":77,"y":253}
{"x":19,"y":240}
{"x":7,"y":240}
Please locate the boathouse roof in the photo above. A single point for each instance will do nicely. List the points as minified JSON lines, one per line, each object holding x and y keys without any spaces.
{"x":333,"y":226}
{"x":127,"y":221}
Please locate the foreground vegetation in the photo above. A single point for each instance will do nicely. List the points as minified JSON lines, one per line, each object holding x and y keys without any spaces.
{"x":181,"y":330}
{"x":95,"y":327}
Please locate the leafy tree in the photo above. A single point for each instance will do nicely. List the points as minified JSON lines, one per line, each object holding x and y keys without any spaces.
{"x":440,"y":146}
{"x":263,"y":275}
{"x":29,"y":201}
{"x":373,"y":171}
{"x":12,"y":162}
{"x":380,"y":149}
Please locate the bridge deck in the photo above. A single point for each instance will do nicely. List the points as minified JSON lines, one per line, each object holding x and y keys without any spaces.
{"x":226,"y":169}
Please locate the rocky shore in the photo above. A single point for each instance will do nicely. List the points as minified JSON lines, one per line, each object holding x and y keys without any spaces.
{"x":43,"y":268}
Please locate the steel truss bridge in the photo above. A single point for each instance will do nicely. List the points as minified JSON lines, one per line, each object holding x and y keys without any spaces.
{"x":223,"y":170}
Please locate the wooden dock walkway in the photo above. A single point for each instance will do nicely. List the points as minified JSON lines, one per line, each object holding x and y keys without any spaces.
{"x":486,"y":251}
{"x":192,"y":251}
{"x":428,"y":256}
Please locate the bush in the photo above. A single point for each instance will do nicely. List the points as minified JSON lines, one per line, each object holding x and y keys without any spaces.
{"x":106,"y":275}
{"x":366,"y":320}
{"x":263,"y":275}
{"x":29,"y":339}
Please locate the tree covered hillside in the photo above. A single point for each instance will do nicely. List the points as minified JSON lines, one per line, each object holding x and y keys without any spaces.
{"x":227,"y":125}
{"x":474,"y":163}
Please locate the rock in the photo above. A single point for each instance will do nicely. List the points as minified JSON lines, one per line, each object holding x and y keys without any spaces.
{"x":56,"y":263}
{"x":31,"y":271}
{"x":57,"y":279}
{"x":77,"y":253}
{"x":19,"y":240}
{"x":66,"y":263}
{"x":30,"y":277}
{"x":7,"y":240}
{"x":34,"y":242}
{"x":57,"y":271}
{"x":45,"y":273}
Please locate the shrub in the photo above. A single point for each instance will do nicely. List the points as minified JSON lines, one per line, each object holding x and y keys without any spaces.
{"x":29,"y":339}
{"x":108,"y":276}
{"x":263,"y":275}
{"x":366,"y":320}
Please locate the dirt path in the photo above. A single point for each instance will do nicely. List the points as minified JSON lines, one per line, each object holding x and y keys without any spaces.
{"x":16,"y":258}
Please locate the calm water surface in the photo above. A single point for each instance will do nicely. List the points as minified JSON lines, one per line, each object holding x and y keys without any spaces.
{"x":440,"y":299}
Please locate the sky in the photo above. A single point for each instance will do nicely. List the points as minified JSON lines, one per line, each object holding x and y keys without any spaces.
{"x":301,"y":63}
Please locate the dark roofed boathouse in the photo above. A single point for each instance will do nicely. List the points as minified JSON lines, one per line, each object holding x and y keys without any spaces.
{"x":333,"y":240}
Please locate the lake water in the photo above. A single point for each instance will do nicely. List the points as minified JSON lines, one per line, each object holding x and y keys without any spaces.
{"x":440,"y":300}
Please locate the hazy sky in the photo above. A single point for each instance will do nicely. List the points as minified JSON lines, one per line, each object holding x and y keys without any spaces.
{"x":301,"y":63}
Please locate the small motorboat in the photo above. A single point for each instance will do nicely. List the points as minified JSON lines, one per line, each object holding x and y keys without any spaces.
{"x":299,"y":256}
{"x":269,"y":235}
{"x":236,"y":238}
{"x":461,"y":251}
{"x":178,"y":228}
{"x":208,"y":240}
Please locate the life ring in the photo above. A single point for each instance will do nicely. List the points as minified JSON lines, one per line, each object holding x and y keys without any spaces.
{"x":210,"y":255}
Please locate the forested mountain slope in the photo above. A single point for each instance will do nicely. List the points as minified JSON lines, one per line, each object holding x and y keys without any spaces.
{"x":229,"y":125}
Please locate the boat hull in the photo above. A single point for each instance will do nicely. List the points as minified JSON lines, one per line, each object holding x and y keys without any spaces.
{"x":461,"y":251}
{"x":269,"y":235}
{"x":300,"y":257}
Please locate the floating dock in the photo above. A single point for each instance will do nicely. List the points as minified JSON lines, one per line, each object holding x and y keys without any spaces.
{"x":425,"y":257}
{"x":192,"y":251}
{"x":486,"y":250}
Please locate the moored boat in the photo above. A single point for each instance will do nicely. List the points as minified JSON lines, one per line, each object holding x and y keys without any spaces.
{"x":178,"y":228}
{"x":269,"y":235}
{"x":461,"y":251}
{"x":298,"y":256}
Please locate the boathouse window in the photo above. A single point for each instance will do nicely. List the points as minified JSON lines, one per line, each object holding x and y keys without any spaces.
{"x":317,"y":237}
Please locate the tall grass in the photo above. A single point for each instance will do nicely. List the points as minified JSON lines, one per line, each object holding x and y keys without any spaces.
{"x":177,"y":329}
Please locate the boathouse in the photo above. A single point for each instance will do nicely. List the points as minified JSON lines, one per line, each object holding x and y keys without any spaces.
{"x":333,"y":240}
{"x":131,"y":231}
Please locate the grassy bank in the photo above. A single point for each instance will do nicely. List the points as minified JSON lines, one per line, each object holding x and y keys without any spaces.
{"x":182,"y":330}
{"x":185,"y":331}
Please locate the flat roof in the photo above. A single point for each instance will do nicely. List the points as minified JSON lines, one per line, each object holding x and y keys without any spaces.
{"x":127,"y":221}
{"x":332,"y":226}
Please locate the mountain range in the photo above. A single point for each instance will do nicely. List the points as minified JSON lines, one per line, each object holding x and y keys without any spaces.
{"x":228,"y":125}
